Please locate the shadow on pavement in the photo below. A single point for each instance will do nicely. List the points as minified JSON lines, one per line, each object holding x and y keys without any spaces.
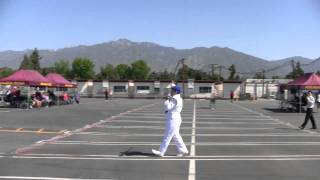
{"x":135,"y":153}
{"x":277,"y":110}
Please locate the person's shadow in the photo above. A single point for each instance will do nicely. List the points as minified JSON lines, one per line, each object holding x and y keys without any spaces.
{"x":131,"y":152}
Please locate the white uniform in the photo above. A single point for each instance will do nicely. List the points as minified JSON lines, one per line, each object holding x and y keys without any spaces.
{"x":310,"y":101}
{"x":173,"y":108}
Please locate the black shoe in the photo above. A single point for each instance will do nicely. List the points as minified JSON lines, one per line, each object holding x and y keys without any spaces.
{"x":313,"y":128}
{"x":301,"y":127}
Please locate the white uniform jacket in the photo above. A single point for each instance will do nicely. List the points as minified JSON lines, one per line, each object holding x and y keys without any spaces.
{"x":310,"y":101}
{"x":173,"y":107}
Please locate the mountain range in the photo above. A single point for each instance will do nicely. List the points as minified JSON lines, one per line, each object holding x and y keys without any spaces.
{"x":159,"y":57}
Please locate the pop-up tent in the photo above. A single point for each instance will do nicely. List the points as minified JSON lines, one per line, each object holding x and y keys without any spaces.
{"x":59,"y":81}
{"x":308,"y":81}
{"x":25,"y":78}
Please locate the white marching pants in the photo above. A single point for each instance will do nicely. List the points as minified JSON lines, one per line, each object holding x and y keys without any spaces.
{"x":172,"y":131}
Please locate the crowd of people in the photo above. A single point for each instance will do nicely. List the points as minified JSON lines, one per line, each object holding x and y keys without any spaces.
{"x":39,"y":99}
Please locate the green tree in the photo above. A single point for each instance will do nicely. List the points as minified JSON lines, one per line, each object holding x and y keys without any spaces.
{"x":232,"y":70}
{"x":259,"y":75}
{"x":35,"y":60}
{"x":107,"y":72}
{"x":47,"y":70}
{"x":296,"y":72}
{"x":63,"y":67}
{"x":154,"y":76}
{"x":123,"y":71}
{"x":139,"y":70}
{"x":4,"y":72}
{"x":165,"y":75}
{"x":26,"y":63}
{"x":83,"y":68}
{"x":186,"y":72}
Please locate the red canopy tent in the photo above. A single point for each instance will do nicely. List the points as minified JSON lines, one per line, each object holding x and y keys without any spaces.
{"x":59,"y":81}
{"x":309,"y":81}
{"x":25,"y":78}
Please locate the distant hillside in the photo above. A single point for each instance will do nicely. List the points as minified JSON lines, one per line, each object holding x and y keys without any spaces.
{"x":158,"y":57}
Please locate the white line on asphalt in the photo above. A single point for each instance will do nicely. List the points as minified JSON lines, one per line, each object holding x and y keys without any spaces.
{"x":238,"y":119}
{"x":4,"y":111}
{"x":192,"y":162}
{"x":118,"y":118}
{"x":263,"y":135}
{"x":192,"y":145}
{"x":168,"y":158}
{"x":44,"y":178}
{"x":161,"y":127}
{"x":198,"y":122}
{"x":144,"y":117}
{"x":276,"y":120}
{"x":208,"y":156}
{"x":206,"y":123}
{"x":85,"y":128}
{"x":199,"y":135}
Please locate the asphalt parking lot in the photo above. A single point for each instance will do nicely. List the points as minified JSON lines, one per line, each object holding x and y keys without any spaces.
{"x":113,"y":140}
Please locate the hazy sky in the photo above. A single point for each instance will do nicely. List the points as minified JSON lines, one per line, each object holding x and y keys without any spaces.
{"x":270,"y":29}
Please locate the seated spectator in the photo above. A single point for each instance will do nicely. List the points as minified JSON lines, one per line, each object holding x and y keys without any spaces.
{"x":46,"y":100}
{"x":8,"y":96}
{"x":37,"y":100}
{"x":52,"y":98}
{"x":65,"y":97}
{"x":16,"y":95}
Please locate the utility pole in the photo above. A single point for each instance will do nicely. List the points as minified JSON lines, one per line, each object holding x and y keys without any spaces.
{"x":293,"y":65}
{"x":212,"y":70}
{"x":220,"y":69}
{"x":183,"y":76}
{"x":263,"y":72}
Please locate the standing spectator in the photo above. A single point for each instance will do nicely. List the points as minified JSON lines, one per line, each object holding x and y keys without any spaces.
{"x":213,"y":100}
{"x":318,"y":101}
{"x":309,"y":113}
{"x":106,"y":94}
{"x":77,"y":97}
{"x":231,"y":96}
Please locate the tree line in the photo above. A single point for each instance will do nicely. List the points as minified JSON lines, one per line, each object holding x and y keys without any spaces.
{"x":84,"y":69}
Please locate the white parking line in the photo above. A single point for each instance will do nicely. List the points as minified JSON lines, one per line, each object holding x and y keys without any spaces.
{"x":276,"y":120}
{"x":174,"y":158}
{"x":204,"y":135}
{"x":233,"y":118}
{"x":196,"y":157}
{"x":44,"y":178}
{"x":4,"y":111}
{"x":161,"y":127}
{"x":85,"y":128}
{"x":131,"y":143}
{"x":189,"y":122}
{"x":192,"y":163}
{"x":127,"y":116}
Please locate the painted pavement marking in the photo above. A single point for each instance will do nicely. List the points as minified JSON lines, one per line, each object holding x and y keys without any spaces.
{"x":44,"y":178}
